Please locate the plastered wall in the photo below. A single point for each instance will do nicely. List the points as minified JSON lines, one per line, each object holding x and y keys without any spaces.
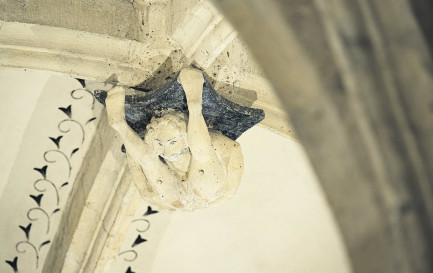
{"x":278,"y":222}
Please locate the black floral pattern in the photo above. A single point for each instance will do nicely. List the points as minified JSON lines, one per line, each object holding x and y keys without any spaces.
{"x":47,"y":187}
{"x":142,"y":225}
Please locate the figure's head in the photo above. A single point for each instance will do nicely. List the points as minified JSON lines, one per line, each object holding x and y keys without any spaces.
{"x":167,"y":135}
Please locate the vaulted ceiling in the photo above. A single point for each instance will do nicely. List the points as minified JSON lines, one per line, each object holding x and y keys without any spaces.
{"x":142,"y":42}
{"x":145,"y":43}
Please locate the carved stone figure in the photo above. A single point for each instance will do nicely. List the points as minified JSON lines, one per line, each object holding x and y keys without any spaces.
{"x":180,"y":164}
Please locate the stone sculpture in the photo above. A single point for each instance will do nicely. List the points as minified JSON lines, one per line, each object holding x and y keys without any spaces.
{"x":181,"y":164}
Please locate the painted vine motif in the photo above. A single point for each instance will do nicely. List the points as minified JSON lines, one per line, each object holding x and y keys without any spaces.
{"x":142,"y":225}
{"x":46,"y":187}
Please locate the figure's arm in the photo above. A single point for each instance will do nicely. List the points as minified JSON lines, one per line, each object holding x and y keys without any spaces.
{"x":206,"y":173}
{"x":143,"y":162}
{"x":136,"y":149}
{"x":199,"y":140}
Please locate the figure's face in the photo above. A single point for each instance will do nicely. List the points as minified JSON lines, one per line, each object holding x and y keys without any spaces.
{"x":169,"y":142}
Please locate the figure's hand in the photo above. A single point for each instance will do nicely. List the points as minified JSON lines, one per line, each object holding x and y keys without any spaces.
{"x":115,"y":104}
{"x":192,"y":81}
